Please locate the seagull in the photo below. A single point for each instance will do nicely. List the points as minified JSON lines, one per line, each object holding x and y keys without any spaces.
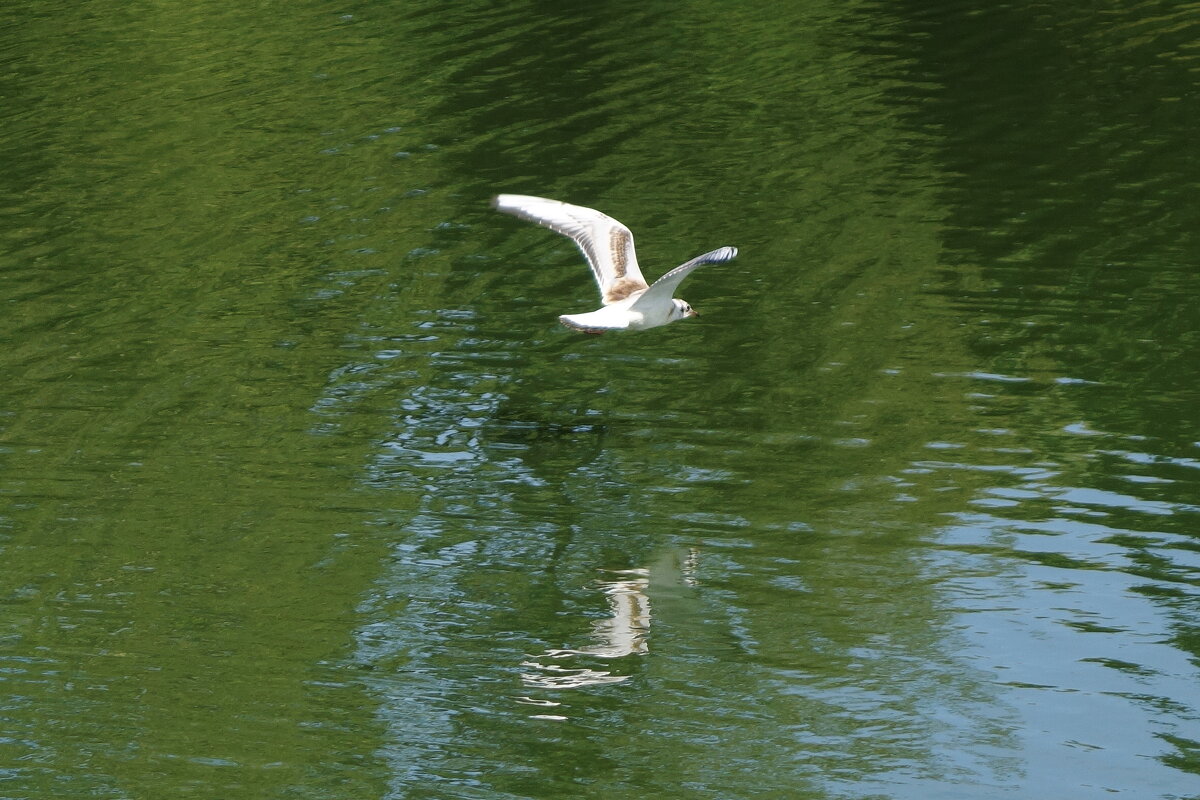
{"x":629,"y":302}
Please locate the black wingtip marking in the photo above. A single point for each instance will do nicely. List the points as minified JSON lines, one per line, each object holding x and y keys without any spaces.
{"x":718,"y":256}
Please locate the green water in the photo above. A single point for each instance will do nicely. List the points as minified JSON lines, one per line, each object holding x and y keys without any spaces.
{"x":305,"y":493}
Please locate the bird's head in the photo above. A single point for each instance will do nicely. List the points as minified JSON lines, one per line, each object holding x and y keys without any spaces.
{"x":682,"y":310}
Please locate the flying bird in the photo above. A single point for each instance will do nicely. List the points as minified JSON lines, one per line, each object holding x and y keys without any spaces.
{"x":629,"y":302}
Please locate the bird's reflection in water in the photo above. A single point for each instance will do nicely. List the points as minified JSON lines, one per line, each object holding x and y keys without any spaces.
{"x":621,"y":634}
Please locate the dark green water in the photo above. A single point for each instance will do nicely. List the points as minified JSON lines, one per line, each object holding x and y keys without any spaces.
{"x":304,"y":492}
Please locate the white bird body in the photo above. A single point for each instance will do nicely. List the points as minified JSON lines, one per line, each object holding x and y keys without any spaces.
{"x":629,"y":302}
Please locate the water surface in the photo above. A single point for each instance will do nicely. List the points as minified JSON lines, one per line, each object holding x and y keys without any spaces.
{"x":304,"y":492}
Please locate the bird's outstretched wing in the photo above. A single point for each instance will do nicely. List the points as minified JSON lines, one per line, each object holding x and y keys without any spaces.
{"x":664,"y":288}
{"x":605,"y":243}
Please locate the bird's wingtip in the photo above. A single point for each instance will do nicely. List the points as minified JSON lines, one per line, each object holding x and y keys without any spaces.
{"x":719,"y":256}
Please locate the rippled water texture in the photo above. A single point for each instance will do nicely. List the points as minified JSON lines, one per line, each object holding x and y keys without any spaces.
{"x":305,"y":493}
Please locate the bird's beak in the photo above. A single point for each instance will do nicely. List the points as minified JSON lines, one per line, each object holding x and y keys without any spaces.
{"x":692,"y":313}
